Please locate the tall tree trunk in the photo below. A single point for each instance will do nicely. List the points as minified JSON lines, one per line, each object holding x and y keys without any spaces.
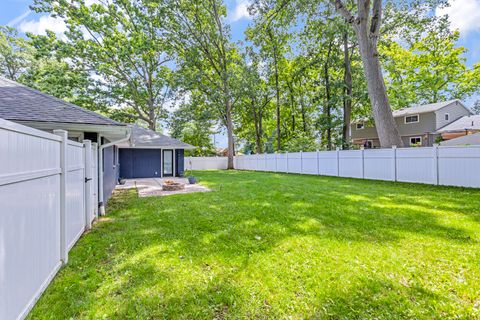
{"x":327,"y":107}
{"x":257,"y":121}
{"x":367,"y":31}
{"x":277,"y":91}
{"x":230,"y":143}
{"x":347,"y":93}
{"x":152,"y":123}
{"x":377,"y":92}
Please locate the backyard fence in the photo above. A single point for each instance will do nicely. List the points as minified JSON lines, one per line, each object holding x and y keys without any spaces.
{"x":206,"y":163}
{"x":452,"y":166}
{"x":47,"y":193}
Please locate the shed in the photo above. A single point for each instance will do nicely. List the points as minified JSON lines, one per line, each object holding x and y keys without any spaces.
{"x":150,"y":154}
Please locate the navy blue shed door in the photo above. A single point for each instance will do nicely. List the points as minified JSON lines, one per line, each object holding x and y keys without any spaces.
{"x":140,"y":163}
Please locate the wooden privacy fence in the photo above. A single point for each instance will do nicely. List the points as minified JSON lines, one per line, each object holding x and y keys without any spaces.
{"x":451,"y":166}
{"x":48,"y":199}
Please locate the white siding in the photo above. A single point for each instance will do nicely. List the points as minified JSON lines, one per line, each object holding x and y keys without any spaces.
{"x":455,"y":112}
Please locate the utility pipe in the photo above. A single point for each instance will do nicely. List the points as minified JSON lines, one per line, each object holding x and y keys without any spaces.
{"x":100,"y":167}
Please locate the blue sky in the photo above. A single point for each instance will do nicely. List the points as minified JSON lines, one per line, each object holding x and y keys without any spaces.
{"x":464,"y":15}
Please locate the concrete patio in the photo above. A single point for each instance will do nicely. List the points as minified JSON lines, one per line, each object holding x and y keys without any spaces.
{"x":150,"y":187}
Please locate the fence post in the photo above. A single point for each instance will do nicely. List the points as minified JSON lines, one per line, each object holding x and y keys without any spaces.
{"x":435,"y":165}
{"x":394,"y":163}
{"x":276,"y":166}
{"x":63,"y":186}
{"x":265,"y":167}
{"x":87,"y":146}
{"x":338,"y":161}
{"x":287,"y":161}
{"x":362,"y":149}
{"x":318,"y":163}
{"x":301,"y":162}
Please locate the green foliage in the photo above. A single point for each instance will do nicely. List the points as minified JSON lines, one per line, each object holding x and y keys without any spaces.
{"x":431,"y":68}
{"x":16,"y":53}
{"x":122,"y":43}
{"x":301,"y":142}
{"x":277,"y":246}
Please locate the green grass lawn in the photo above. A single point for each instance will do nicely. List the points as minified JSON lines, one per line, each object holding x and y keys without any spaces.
{"x":277,"y":246}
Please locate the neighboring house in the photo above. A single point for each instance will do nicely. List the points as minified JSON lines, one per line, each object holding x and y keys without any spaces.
{"x":35,"y":109}
{"x":466,"y":125}
{"x":466,"y":140}
{"x":418,"y":125}
{"x":151,"y":154}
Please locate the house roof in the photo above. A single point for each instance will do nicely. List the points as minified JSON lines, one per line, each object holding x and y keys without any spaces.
{"x":471,"y":122}
{"x":471,"y":139}
{"x":146,"y":138}
{"x":21,"y":103}
{"x":431,"y":107}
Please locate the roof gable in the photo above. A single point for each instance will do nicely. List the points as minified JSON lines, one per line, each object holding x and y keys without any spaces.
{"x":431,"y":107}
{"x":21,"y":103}
{"x":146,"y":138}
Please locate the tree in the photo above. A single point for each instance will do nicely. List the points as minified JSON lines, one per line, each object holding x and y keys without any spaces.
{"x":367,"y":25}
{"x":16,"y":53}
{"x":476,"y":107}
{"x":122,"y":44}
{"x":430,"y":68}
{"x":193,"y":122}
{"x":254,"y":104}
{"x":202,"y":41}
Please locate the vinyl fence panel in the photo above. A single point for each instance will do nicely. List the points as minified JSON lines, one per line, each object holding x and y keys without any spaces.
{"x":459,"y":166}
{"x":454,"y":166}
{"x":295,"y":162}
{"x":328,"y":163}
{"x":309,"y":163}
{"x":379,"y":164}
{"x":42,"y":185}
{"x":416,"y":165}
{"x":75,"y":203}
{"x":282,"y":165}
{"x":270,"y":162}
{"x":351,"y":163}
{"x":30,"y":216}
{"x":206,"y":163}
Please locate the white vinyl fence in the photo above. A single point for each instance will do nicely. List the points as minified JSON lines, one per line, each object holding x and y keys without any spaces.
{"x":452,"y":166}
{"x":206,"y":163}
{"x":47,"y":201}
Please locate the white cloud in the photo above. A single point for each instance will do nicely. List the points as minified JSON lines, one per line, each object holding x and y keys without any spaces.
{"x":240,"y":11}
{"x":16,"y":20}
{"x":464,"y":15}
{"x":44,"y":23}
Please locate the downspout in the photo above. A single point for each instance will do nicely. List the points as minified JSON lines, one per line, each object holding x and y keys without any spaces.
{"x":100,"y":164}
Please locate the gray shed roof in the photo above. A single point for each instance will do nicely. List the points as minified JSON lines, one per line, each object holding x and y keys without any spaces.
{"x":471,"y":139}
{"x":464,"y":123}
{"x":146,"y":138}
{"x":431,"y":107}
{"x":21,"y":103}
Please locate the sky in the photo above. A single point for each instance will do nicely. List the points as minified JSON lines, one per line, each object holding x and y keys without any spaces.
{"x":464,"y":16}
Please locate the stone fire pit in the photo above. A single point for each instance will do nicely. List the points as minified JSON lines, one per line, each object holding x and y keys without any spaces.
{"x":170,"y":185}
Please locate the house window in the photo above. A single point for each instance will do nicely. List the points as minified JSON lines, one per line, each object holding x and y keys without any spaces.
{"x":447,"y":117}
{"x":368,"y":144}
{"x":411,"y":119}
{"x":415,"y":141}
{"x":360,"y":126}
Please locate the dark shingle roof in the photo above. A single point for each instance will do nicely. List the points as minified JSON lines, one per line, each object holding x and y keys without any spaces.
{"x":142,"y":137}
{"x":21,"y":103}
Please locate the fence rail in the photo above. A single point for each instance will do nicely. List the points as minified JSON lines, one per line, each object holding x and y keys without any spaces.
{"x":44,"y":210}
{"x":452,"y":166}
